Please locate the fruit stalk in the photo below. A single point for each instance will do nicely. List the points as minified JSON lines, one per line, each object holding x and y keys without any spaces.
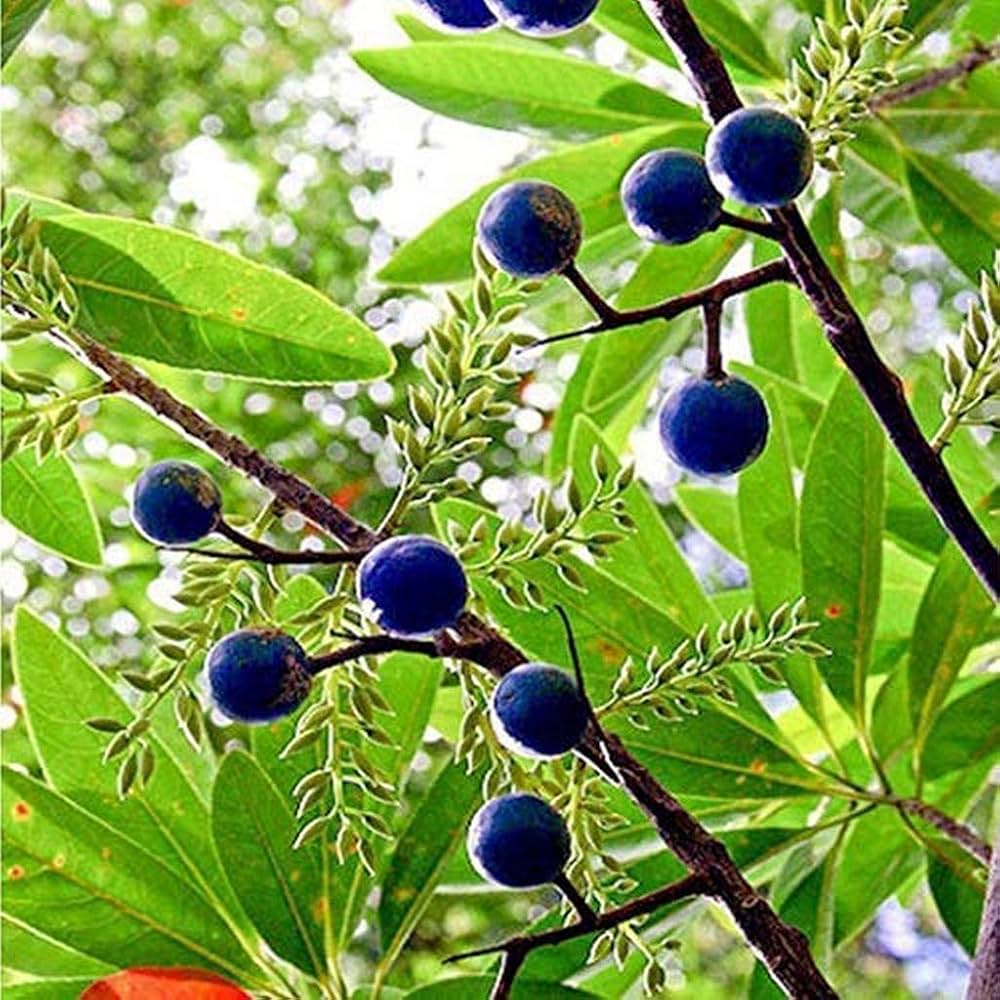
{"x":844,"y":328}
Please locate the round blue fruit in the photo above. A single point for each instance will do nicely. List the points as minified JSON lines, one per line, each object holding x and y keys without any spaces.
{"x":538,"y":710}
{"x":257,"y":675}
{"x":759,"y":156}
{"x":459,"y":15}
{"x":542,"y":17}
{"x":529,"y":229}
{"x":175,"y":503}
{"x":714,"y":427}
{"x":518,"y":841}
{"x":668,"y":197}
{"x":412,"y":585}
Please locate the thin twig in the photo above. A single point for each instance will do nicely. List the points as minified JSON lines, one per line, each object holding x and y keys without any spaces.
{"x":757,"y":226}
{"x":713,"y":340}
{"x":613,"y":319}
{"x":575,"y":899}
{"x":954,"y":830}
{"x":980,"y":55}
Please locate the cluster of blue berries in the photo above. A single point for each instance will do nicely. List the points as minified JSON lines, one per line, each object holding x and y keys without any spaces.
{"x":540,"y":18}
{"x":712,"y":424}
{"x":411,"y":586}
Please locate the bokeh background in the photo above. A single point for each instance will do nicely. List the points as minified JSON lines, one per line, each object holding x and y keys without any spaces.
{"x":248,"y":122}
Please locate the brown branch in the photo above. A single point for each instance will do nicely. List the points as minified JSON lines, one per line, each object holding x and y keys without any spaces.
{"x":613,"y":319}
{"x":843,"y":326}
{"x":980,"y":55}
{"x":984,"y":982}
{"x":713,"y":340}
{"x":523,"y":944}
{"x":951,"y":828}
{"x":756,"y":226}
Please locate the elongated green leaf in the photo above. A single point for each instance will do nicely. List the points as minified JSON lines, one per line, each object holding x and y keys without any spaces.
{"x":589,"y":174}
{"x":769,"y":321}
{"x":967,"y":729}
{"x":161,"y":294}
{"x":478,"y":988}
{"x":840,"y":537}
{"x":169,"y":818}
{"x":874,"y":185}
{"x":722,"y":24}
{"x":922,"y":16}
{"x":88,"y":886}
{"x":18,"y":18}
{"x":435,"y":832}
{"x":47,"y":502}
{"x":768,"y":527}
{"x":953,"y":612}
{"x":56,"y":988}
{"x":715,"y":513}
{"x":961,"y":216}
{"x":30,"y":953}
{"x":647,"y":560}
{"x":505,"y":88}
{"x":280,"y":888}
{"x":958,"y":893}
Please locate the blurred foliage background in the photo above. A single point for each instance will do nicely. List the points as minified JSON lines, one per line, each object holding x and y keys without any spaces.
{"x":247,"y":122}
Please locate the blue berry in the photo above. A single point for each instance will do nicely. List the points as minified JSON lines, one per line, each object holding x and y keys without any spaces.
{"x":175,"y":503}
{"x":257,"y":675}
{"x":542,"y":17}
{"x":668,"y":197}
{"x":459,"y":15}
{"x":518,"y":841}
{"x":759,"y":156}
{"x":412,"y":585}
{"x":714,"y":427}
{"x":537,"y":710}
{"x":529,"y":229}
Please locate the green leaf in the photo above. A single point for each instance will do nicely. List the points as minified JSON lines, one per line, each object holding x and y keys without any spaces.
{"x":589,"y":173}
{"x":92,"y":888}
{"x":47,"y":502}
{"x":509,"y":89}
{"x":960,"y":215}
{"x":958,"y":894}
{"x":435,"y":832}
{"x":966,"y":730}
{"x":161,"y":294}
{"x":30,"y":953}
{"x":922,"y":16}
{"x":56,"y":988}
{"x":768,"y":527}
{"x":18,"y":18}
{"x":840,"y":536}
{"x":169,"y":818}
{"x":715,"y":513}
{"x":724,"y":27}
{"x":280,"y":888}
{"x":478,"y":988}
{"x":952,"y":615}
{"x":647,"y":560}
{"x":769,"y":320}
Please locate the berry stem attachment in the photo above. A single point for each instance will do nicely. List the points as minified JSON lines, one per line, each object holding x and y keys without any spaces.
{"x":613,"y":319}
{"x":713,"y":341}
{"x":602,"y":308}
{"x":575,"y":898}
{"x":756,"y":226}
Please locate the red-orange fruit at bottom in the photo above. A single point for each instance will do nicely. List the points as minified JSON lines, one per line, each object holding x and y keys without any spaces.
{"x":164,"y":984}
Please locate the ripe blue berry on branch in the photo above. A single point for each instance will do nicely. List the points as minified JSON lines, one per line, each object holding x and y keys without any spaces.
{"x":759,"y":156}
{"x":668,"y":197}
{"x":537,"y":710}
{"x":175,"y":503}
{"x":412,"y":585}
{"x":714,"y":426}
{"x":529,"y":229}
{"x":458,"y":15}
{"x":542,"y":17}
{"x":518,"y":841}
{"x":257,"y":675}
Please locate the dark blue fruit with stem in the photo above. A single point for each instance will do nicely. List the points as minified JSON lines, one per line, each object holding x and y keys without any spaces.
{"x":759,"y":156}
{"x":714,"y":426}
{"x":175,"y":503}
{"x":529,"y":229}
{"x":668,"y":197}
{"x":518,"y":841}
{"x":542,"y":17}
{"x":538,"y":710}
{"x":459,"y":15}
{"x":412,"y":585}
{"x":257,"y":675}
